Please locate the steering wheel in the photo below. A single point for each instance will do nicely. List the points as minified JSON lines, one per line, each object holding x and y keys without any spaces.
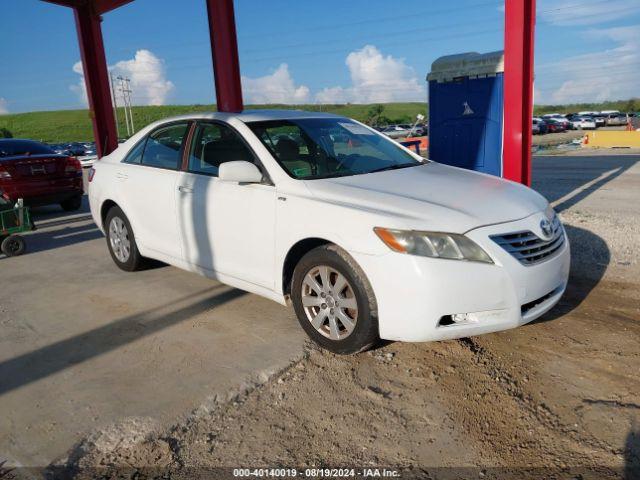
{"x":347,"y":160}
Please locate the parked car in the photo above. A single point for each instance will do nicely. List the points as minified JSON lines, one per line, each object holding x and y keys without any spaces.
{"x":583,"y":123}
{"x":558,"y":118}
{"x":89,"y":148}
{"x":600,"y":119}
{"x":33,"y":171}
{"x":417,"y":130}
{"x":616,"y":120}
{"x":366,"y":239}
{"x":555,"y":125}
{"x":59,"y":148}
{"x":76,"y":149}
{"x":539,"y":126}
{"x":396,"y":131}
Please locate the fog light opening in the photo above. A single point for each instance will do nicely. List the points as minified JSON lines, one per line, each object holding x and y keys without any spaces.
{"x":458,"y":319}
{"x":446,"y":321}
{"x":461,"y":318}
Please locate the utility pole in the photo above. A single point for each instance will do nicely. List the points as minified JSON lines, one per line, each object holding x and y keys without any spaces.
{"x":127,"y":113}
{"x":115,"y":103}
{"x":128,"y":82}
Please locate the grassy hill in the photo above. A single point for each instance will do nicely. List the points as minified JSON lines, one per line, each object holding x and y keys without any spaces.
{"x":75,"y":125}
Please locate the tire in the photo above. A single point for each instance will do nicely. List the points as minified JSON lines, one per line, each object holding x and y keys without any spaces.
{"x":13,"y":245}
{"x":72,"y":204}
{"x":118,"y":229}
{"x":332,"y":331}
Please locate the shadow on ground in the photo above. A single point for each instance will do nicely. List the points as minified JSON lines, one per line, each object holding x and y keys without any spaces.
{"x":632,"y":454}
{"x":556,"y":178}
{"x":590,"y":257}
{"x":53,"y":358}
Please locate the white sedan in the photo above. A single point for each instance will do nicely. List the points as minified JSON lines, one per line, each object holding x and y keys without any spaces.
{"x":366,"y":239}
{"x":583,"y":123}
{"x":396,"y":131}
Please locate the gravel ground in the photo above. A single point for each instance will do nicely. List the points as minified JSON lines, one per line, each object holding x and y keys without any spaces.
{"x":554,"y":399}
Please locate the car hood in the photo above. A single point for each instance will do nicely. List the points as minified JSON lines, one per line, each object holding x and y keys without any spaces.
{"x":432,"y":197}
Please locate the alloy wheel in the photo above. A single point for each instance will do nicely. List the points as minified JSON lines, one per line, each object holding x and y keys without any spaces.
{"x":119,"y":239}
{"x":329,"y":302}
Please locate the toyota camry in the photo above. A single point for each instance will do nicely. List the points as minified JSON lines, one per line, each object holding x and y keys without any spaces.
{"x":366,"y":239}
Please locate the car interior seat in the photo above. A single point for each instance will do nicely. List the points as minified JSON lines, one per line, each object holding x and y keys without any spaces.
{"x":288,"y":152}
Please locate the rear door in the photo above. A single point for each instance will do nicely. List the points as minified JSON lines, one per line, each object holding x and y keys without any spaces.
{"x":148,"y":177}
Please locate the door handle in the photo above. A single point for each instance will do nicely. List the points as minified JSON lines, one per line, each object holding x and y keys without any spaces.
{"x":182,"y":189}
{"x":121,"y":176}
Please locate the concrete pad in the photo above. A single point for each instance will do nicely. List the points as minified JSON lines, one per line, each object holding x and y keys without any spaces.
{"x":85,"y":345}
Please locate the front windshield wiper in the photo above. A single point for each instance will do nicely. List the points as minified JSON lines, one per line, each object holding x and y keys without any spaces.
{"x":349,"y":173}
{"x":395,"y":167}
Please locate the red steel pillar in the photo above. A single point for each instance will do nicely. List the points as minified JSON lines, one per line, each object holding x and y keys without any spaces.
{"x":224,"y":50}
{"x":520,"y":16}
{"x":96,"y":76}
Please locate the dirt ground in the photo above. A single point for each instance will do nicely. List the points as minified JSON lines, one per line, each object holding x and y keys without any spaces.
{"x":558,"y":398}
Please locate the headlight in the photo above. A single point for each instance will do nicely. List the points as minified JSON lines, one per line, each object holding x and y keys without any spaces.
{"x":433,"y":244}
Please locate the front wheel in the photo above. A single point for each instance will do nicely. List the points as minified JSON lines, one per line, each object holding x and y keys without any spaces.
{"x":334,"y":301}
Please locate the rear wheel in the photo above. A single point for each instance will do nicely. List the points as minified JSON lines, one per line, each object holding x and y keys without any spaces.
{"x":334,"y":301}
{"x":72,"y":204}
{"x":122,"y":242}
{"x":13,"y":245}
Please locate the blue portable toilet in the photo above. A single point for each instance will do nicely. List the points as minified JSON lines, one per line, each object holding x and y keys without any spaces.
{"x":466,"y":110}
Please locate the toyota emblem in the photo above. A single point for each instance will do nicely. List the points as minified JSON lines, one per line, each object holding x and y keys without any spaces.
{"x":547,"y":229}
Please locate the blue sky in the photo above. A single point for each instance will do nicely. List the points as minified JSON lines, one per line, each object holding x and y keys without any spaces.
{"x":313,"y":52}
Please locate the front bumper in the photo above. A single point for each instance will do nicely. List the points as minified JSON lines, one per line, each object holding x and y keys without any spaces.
{"x":415,"y":293}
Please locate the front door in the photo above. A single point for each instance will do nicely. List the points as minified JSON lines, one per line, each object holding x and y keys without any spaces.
{"x":226,"y":228}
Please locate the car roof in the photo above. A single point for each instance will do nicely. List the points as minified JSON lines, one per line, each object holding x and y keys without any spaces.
{"x":252,"y":115}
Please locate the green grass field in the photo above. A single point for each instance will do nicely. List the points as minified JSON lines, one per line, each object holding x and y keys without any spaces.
{"x":75,"y":125}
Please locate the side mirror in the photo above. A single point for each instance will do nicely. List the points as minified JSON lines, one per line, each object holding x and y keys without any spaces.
{"x":239,"y":171}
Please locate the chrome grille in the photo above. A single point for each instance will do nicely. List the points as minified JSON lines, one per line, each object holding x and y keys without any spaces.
{"x":530,"y":249}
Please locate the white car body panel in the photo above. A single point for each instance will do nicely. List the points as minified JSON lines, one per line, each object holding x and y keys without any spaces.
{"x":241,"y":234}
{"x":584,"y":123}
{"x":237,"y":239}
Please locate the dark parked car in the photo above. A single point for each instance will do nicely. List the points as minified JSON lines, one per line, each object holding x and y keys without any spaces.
{"x":555,"y":125}
{"x":33,"y":171}
{"x":76,"y":149}
{"x":540,"y":127}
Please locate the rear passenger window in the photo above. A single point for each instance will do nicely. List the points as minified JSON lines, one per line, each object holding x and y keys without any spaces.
{"x":135,"y":154}
{"x":164,"y":147}
{"x":213,"y":144}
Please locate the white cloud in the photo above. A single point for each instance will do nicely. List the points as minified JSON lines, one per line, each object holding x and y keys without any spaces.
{"x":80,"y":88}
{"x":149,"y":85}
{"x":279,"y":87}
{"x":148,"y":79}
{"x":598,"y":76}
{"x":568,"y":13}
{"x":375,"y":78}
{"x":4,"y":109}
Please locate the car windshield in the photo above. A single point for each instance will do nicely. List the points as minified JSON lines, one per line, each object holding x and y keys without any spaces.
{"x":315,"y":148}
{"x":9,"y":148}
